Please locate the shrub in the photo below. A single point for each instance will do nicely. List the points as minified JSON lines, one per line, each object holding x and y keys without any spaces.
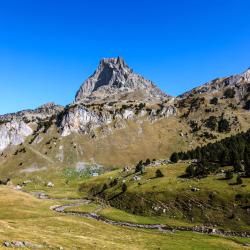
{"x":223,"y":125}
{"x":229,"y":93}
{"x":139,"y":167}
{"x":174,"y":157}
{"x":194,"y":126}
{"x":158,"y":173}
{"x":229,"y":175}
{"x":114,"y":182}
{"x":211,"y":122}
{"x":105,"y":186}
{"x":124,"y":187}
{"x":247,"y":105}
{"x":214,"y":101}
{"x":239,"y":180}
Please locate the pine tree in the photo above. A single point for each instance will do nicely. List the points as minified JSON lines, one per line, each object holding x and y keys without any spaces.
{"x":174,"y":157}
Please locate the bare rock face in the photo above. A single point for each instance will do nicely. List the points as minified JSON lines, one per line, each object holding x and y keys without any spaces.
{"x":43,"y":112}
{"x":114,"y":80}
{"x":113,"y":94}
{"x":15,"y":127}
{"x":240,"y":83}
{"x":13,"y":133}
{"x":85,"y":118}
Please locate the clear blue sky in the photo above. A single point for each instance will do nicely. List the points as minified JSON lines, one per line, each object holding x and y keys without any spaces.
{"x":48,"y":47}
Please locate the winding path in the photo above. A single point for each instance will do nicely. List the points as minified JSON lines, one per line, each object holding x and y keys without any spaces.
{"x":160,"y":227}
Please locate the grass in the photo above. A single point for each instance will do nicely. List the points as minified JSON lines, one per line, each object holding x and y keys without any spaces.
{"x":216,"y":197}
{"x":27,"y":219}
{"x":120,"y":215}
{"x":87,"y":208}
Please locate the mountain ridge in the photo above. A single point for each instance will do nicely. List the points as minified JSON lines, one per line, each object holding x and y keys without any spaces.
{"x":130,"y":113}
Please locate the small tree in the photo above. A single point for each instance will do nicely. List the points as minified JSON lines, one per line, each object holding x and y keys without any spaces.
{"x":223,"y":125}
{"x":174,"y":157}
{"x":124,"y":187}
{"x":147,"y":162}
{"x":214,"y":101}
{"x":191,"y":170}
{"x":229,"y":175}
{"x":139,"y":167}
{"x":211,"y":122}
{"x":239,"y":180}
{"x":158,"y":173}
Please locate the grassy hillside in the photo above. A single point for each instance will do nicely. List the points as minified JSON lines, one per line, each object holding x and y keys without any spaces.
{"x":24,"y":218}
{"x":210,"y":201}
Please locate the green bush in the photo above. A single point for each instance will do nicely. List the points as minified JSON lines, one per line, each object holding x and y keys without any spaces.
{"x":223,"y":125}
{"x":174,"y":157}
{"x":239,"y":180}
{"x":229,"y":175}
{"x":158,"y":173}
{"x":124,"y":187}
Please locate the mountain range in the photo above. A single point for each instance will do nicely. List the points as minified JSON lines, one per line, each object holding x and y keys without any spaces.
{"x":118,"y":117}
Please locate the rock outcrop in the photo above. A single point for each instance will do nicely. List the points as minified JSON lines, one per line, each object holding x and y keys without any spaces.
{"x":85,"y":118}
{"x":13,"y":133}
{"x":240,"y":83}
{"x":33,"y":115}
{"x":114,"y":80}
{"x":15,"y":127}
{"x":114,"y":93}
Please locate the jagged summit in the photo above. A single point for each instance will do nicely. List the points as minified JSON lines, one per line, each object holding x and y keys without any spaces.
{"x":114,"y":80}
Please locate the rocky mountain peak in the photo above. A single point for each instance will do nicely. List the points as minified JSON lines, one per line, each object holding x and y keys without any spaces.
{"x":115,"y":80}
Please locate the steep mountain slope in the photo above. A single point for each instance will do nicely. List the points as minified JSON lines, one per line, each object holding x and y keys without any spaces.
{"x":119,"y":118}
{"x":219,"y":106}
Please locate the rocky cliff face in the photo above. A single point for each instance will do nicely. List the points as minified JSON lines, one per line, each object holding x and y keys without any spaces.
{"x":13,"y":133}
{"x":114,"y":80}
{"x":14,"y":128}
{"x":113,"y":94}
{"x":82,"y":118}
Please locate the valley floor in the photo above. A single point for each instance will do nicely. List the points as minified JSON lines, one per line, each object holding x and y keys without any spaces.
{"x":26,"y":218}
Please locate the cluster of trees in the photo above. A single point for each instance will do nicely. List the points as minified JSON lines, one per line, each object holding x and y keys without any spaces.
{"x":221,"y":124}
{"x":234,"y":151}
